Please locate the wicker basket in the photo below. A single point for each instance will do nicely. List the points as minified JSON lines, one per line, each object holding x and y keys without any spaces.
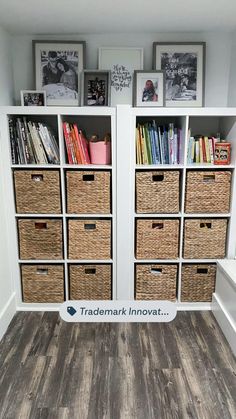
{"x":90,"y":282}
{"x":208,"y":192}
{"x":88,"y":192}
{"x":40,"y":238}
{"x":37,"y":191}
{"x":156,"y":282}
{"x":197,"y":282}
{"x":89,"y":239}
{"x":157,"y":239}
{"x":205,"y":238}
{"x":157,"y":192}
{"x":42,"y":283}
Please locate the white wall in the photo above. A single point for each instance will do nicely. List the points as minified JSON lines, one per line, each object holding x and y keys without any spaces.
{"x":232,"y":75}
{"x":217,"y":60}
{"x":7,"y":304}
{"x":6,"y":73}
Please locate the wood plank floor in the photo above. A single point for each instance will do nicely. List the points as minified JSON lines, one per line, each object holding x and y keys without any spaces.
{"x":52,"y":370}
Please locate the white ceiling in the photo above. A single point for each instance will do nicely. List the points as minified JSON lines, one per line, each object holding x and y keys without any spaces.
{"x":109,"y":16}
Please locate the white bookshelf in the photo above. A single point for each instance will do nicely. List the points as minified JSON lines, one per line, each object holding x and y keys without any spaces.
{"x":99,"y":119}
{"x":123,"y":122}
{"x":208,"y":121}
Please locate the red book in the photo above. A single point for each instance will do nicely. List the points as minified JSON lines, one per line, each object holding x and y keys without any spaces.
{"x":80,"y":145}
{"x":75,"y":145}
{"x":66,"y":130}
{"x":85,"y":147}
{"x":204,"y":151}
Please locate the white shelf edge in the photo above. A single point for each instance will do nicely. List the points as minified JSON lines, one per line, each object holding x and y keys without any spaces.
{"x":64,"y":166}
{"x":215,"y":215}
{"x":209,"y":166}
{"x":159,"y":166}
{"x":65,"y":215}
{"x":35,"y":166}
{"x":198,"y":306}
{"x":41,"y":261}
{"x":159,"y":261}
{"x":141,"y":215}
{"x":89,"y":261}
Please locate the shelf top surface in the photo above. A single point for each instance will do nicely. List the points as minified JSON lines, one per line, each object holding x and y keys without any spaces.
{"x":102,"y":111}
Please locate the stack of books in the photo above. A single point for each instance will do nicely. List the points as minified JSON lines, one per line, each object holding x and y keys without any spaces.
{"x":201,"y":149}
{"x":32,"y":142}
{"x":158,"y":144}
{"x":76,"y":144}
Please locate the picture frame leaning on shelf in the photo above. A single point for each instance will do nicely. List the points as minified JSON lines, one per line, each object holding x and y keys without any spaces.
{"x":96,"y":88}
{"x":57,"y":68}
{"x":184,"y":66}
{"x":149,"y":88}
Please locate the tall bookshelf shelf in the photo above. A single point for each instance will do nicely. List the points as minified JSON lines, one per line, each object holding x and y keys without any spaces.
{"x":121,"y":122}
{"x":96,"y":120}
{"x":204,"y":121}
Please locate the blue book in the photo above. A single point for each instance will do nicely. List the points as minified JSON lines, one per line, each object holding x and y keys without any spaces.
{"x":166,"y":147}
{"x":157,"y":146}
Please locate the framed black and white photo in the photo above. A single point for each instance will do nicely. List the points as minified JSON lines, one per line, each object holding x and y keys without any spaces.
{"x":58,"y":66}
{"x":33,"y":97}
{"x":96,"y":88}
{"x":184,"y":66}
{"x":122,"y":62}
{"x":149,"y":88}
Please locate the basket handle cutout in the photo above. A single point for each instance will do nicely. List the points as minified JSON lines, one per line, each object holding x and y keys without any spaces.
{"x":208,"y":225}
{"x":210,"y":177}
{"x":90,"y":271}
{"x":90,"y":226}
{"x":156,"y":271}
{"x":37,"y":178}
{"x":40,"y":226}
{"x":87,"y":178}
{"x":42,"y":271}
{"x":158,"y":225}
{"x":202,"y":270}
{"x":157,"y":178}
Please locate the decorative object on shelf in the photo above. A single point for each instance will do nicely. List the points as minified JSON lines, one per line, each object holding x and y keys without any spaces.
{"x":149,"y":88}
{"x":96,"y":88}
{"x":184,"y":66}
{"x":122,"y":62}
{"x":222,"y":152}
{"x":100,"y":150}
{"x":58,"y":65}
{"x":158,"y":144}
{"x":33,"y":97}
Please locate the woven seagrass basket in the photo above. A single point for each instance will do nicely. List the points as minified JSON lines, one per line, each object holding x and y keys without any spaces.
{"x":205,"y":238}
{"x":197,"y":282}
{"x":90,"y":282}
{"x":40,"y":238}
{"x":208,"y":192}
{"x":89,"y":239}
{"x":42,"y":283}
{"x":157,"y":239}
{"x":37,"y":191}
{"x":157,"y":192}
{"x":88,"y":192}
{"x":156,"y":282}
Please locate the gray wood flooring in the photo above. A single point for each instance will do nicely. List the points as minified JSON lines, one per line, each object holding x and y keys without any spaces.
{"x":52,"y":370}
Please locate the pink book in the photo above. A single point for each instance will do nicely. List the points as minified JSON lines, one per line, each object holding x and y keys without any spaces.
{"x":100,"y":152}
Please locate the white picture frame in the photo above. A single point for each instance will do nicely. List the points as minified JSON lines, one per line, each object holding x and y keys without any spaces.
{"x":57,"y":67}
{"x":149,"y":88}
{"x":184,"y":66}
{"x":122,"y":61}
{"x":33,"y":97}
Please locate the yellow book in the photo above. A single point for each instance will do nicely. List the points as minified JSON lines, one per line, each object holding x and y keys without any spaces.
{"x":208,"y":155}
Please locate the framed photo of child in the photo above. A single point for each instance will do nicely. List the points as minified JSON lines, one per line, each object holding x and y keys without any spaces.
{"x":149,"y":88}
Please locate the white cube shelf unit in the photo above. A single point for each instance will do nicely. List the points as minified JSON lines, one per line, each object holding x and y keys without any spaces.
{"x":98,"y":121}
{"x":121,"y":122}
{"x":202,"y":121}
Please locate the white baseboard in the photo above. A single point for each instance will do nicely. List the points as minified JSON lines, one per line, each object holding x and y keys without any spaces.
{"x":7,"y":314}
{"x":225,"y":321}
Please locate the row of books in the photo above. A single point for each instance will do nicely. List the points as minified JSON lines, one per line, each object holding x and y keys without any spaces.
{"x":32,"y":142}
{"x":158,"y":144}
{"x":76,"y":144}
{"x":201,"y":149}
